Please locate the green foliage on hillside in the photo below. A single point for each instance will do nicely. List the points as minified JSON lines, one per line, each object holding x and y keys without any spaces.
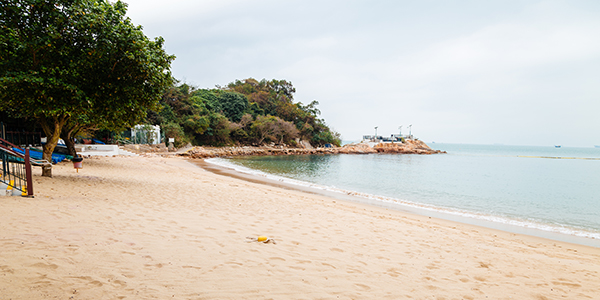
{"x":246,"y":112}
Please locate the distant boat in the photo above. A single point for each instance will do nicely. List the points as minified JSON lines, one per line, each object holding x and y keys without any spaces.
{"x":557,"y":146}
{"x":596,"y":146}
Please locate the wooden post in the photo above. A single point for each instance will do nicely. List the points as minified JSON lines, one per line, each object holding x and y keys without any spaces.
{"x":28,"y":174}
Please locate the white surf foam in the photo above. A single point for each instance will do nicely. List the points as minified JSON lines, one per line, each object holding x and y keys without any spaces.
{"x":530,"y":224}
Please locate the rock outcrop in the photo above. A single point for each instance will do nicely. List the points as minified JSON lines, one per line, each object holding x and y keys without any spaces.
{"x":408,"y":147}
{"x":360,"y":148}
{"x":208,"y":152}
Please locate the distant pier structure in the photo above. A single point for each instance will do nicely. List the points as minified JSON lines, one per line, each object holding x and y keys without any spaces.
{"x":394,"y":138}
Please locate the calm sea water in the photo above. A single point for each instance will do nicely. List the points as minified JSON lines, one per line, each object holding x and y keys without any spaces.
{"x":546,"y":188}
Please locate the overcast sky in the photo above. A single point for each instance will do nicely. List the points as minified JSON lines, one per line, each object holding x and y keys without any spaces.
{"x":478,"y":72}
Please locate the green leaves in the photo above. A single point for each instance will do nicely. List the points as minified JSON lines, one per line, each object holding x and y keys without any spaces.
{"x":85,"y":53}
{"x":275,"y":97}
{"x":79,"y":57}
{"x":244,"y":112}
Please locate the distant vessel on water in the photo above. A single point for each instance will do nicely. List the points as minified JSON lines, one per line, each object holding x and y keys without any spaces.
{"x":596,"y":146}
{"x":557,"y":146}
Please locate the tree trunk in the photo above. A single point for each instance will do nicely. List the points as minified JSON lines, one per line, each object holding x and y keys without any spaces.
{"x":52,"y":130}
{"x":67,"y":134}
{"x":70,"y":143}
{"x":47,"y":153}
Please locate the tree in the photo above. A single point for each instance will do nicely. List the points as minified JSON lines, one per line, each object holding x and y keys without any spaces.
{"x":276,"y":98}
{"x":273,"y":129}
{"x":264,"y":128}
{"x":285,"y":131}
{"x":78,"y":62}
{"x":267,"y":94}
{"x":233,"y":105}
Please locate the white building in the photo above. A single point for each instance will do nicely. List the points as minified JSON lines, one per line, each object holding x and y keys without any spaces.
{"x":145,"y":134}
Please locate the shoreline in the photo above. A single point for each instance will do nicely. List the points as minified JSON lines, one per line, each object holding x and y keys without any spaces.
{"x":407,"y":147}
{"x":162,"y":227}
{"x":510,"y":228}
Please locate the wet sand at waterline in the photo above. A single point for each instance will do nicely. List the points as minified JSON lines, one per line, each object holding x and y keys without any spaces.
{"x":158,"y":228}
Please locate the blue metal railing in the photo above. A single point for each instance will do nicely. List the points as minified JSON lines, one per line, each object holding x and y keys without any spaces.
{"x":16,"y":168}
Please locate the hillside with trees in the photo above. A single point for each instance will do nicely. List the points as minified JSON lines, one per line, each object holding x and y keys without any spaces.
{"x":80,"y":68}
{"x":245,"y":112}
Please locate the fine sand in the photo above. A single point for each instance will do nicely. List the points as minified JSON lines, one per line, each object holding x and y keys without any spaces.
{"x":163,"y":228}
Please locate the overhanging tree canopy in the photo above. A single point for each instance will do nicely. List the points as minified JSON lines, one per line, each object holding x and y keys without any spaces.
{"x":78,"y":61}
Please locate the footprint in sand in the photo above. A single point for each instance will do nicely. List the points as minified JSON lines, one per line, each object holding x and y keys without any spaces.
{"x":326,"y":264}
{"x":277,"y":258}
{"x":90,"y":280}
{"x":569,"y":284}
{"x":6,"y":269}
{"x":303,"y":261}
{"x":121,"y":283}
{"x":394,"y":272}
{"x":191,"y":267}
{"x":45,"y":266}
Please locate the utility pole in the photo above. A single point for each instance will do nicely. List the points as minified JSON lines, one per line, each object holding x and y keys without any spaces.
{"x":400,"y":129}
{"x":410,"y":131}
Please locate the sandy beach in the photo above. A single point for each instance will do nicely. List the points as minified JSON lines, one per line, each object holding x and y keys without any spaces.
{"x":164,"y":228}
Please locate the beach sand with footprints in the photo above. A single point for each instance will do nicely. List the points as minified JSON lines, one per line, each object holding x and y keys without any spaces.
{"x":164,"y":228}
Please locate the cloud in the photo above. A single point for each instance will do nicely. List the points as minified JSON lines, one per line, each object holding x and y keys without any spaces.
{"x":467,"y":71}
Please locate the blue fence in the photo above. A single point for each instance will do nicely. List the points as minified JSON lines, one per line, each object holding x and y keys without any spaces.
{"x":16,"y":168}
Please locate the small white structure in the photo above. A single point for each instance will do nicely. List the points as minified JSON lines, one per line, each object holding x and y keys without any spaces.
{"x":145,"y":134}
{"x":102,"y":150}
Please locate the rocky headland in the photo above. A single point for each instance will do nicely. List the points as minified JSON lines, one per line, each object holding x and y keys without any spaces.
{"x":408,"y":147}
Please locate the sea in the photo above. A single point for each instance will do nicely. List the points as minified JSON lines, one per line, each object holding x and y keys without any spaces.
{"x":548,"y":192}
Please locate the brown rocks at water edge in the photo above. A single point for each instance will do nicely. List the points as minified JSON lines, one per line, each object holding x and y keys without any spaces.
{"x":408,"y":147}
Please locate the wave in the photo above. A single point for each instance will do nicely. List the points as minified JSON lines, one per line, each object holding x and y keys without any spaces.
{"x":389,"y":201}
